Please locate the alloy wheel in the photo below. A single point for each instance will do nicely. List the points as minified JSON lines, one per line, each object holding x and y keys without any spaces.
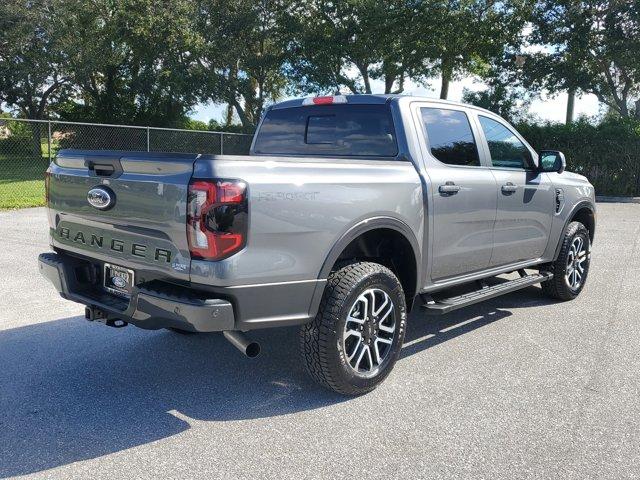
{"x":576,"y":265}
{"x":369,"y":331}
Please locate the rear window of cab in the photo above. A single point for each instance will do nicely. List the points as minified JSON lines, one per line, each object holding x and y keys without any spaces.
{"x":328,"y":130}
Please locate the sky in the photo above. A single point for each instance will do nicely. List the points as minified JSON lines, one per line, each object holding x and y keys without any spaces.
{"x":548,"y":109}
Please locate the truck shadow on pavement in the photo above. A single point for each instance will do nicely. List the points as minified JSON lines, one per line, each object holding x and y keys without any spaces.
{"x":424,"y":331}
{"x":71,"y":390}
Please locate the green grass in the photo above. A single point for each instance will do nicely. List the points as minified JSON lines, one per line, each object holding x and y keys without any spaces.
{"x":22,"y":181}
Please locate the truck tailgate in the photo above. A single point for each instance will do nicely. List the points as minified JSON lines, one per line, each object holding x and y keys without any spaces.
{"x":143,"y":228}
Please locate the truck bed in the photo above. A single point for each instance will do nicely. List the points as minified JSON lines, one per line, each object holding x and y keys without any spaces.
{"x":298,"y":210}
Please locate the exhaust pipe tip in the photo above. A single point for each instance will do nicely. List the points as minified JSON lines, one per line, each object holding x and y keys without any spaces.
{"x":239,"y":340}
{"x":252,"y":350}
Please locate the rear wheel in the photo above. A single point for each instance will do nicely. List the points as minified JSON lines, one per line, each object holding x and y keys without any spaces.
{"x":571,"y":268}
{"x":354,"y":341}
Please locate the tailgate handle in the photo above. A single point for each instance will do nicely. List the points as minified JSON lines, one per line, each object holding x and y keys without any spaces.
{"x":103,"y":170}
{"x":104,"y":167}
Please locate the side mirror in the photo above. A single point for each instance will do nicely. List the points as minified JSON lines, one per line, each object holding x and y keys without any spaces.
{"x":552,"y":161}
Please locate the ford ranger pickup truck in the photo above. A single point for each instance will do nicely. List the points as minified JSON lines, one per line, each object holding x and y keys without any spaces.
{"x":348,"y":212}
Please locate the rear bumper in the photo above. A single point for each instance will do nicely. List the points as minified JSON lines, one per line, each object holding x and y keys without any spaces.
{"x":150,"y":308}
{"x":196,"y":307}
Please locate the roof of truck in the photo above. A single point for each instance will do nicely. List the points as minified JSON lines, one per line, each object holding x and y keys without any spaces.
{"x":367,"y":98}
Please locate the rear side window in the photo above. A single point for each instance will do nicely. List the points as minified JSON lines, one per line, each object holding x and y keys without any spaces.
{"x":450,"y":136}
{"x":332,"y":130}
{"x":507,"y":150}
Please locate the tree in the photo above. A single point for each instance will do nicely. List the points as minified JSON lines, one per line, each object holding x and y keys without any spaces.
{"x":465,"y":36}
{"x":348,"y":44}
{"x":614,"y":60}
{"x":562,"y":34}
{"x":133,"y":61}
{"x":502,"y":96}
{"x":589,"y":47}
{"x":242,"y":54}
{"x":32,"y":60}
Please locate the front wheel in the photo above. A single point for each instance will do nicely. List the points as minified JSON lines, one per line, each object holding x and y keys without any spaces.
{"x":571,"y":268}
{"x":355,"y":340}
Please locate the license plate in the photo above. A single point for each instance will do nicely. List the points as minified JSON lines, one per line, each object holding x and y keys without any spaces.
{"x":118,"y":280}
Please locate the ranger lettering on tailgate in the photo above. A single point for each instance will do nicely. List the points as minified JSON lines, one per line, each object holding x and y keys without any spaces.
{"x":99,"y":242}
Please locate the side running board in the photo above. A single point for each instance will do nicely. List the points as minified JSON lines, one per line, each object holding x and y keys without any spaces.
{"x":446,"y":305}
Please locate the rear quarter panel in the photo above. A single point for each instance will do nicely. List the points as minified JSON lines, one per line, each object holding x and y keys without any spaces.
{"x":300,"y":207}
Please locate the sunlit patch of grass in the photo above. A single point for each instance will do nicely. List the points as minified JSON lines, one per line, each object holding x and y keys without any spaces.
{"x":22,"y":181}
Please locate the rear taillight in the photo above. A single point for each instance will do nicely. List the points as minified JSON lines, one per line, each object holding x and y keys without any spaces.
{"x":216,"y":218}
{"x":47,"y":183}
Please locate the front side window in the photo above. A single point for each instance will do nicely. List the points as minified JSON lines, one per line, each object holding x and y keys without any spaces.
{"x":507,"y":150}
{"x":450,"y":137}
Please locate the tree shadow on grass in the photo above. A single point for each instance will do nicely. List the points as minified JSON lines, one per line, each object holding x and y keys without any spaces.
{"x":71,"y":390}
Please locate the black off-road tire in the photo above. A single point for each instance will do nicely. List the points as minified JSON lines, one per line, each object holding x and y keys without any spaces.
{"x":321,"y":341}
{"x":558,"y":287}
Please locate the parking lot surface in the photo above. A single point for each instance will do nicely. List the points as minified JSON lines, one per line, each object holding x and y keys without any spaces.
{"x":518,"y":387}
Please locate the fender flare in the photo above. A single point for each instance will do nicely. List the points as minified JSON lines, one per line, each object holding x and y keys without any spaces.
{"x":367,"y":225}
{"x":578,"y":206}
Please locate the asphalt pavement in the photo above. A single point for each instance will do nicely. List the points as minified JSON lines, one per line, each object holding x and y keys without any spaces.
{"x":518,"y":387}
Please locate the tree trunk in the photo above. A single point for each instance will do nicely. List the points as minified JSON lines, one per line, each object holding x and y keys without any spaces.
{"x":389,"y":80}
{"x":571,"y":102}
{"x":446,"y":79}
{"x":260,"y":105}
{"x":444,"y":89}
{"x":364,"y":72}
{"x":623,"y":108}
{"x":244,"y":119}
{"x":233,"y":75}
{"x":367,"y":84}
{"x":229,"y":115}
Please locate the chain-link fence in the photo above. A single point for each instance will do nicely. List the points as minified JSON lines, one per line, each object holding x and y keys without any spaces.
{"x":27,"y":146}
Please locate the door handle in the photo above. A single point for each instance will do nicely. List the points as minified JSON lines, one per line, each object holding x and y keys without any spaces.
{"x":509,"y":188}
{"x":449,"y":188}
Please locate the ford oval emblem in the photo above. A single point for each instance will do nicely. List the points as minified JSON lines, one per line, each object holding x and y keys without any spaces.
{"x":101,"y":198}
{"x":119,"y":282}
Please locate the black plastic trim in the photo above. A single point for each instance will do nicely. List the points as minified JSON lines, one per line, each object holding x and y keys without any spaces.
{"x":453,"y":303}
{"x":151,"y":307}
{"x":97,"y":164}
{"x":368,"y":225}
{"x":578,"y":206}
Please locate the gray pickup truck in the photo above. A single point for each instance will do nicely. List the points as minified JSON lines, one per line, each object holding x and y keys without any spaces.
{"x":348,"y":212}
